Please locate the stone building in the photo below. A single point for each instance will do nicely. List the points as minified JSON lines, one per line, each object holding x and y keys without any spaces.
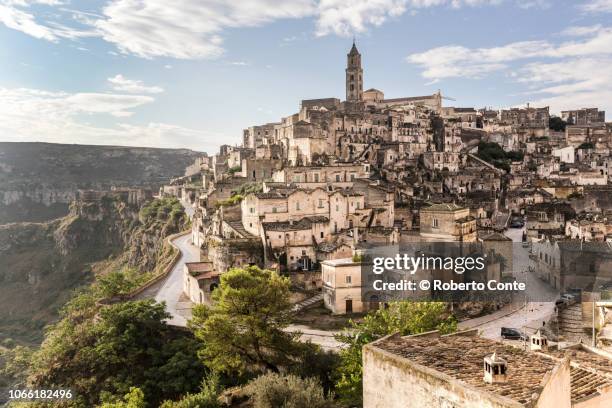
{"x":526,"y":117}
{"x":584,"y":116}
{"x":342,"y":286}
{"x":447,"y":223}
{"x":462,"y":370}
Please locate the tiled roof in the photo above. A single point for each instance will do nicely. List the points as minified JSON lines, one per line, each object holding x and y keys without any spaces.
{"x":443,"y":207}
{"x":461,"y":357}
{"x":199,"y":267}
{"x":303,"y":224}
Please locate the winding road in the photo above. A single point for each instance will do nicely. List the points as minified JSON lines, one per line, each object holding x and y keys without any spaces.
{"x":526,"y":313}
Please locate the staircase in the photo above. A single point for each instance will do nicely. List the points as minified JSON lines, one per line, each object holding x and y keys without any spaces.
{"x":239,"y":228}
{"x":570,"y":323}
{"x":307,"y":303}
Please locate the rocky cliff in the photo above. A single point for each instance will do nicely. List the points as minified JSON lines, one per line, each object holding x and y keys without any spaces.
{"x":42,"y":263}
{"x":39,"y":180}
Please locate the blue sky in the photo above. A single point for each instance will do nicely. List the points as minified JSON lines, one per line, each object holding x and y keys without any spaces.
{"x":194,"y":73}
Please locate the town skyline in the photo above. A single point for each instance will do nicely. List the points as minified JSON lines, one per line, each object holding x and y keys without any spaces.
{"x":90,"y":76}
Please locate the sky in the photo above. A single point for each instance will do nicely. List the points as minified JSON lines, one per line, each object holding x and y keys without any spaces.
{"x":194,"y":73}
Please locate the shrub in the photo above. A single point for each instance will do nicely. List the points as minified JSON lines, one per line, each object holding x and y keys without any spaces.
{"x":286,"y":391}
{"x":206,"y":398}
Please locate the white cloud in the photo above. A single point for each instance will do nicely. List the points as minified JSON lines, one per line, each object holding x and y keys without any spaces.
{"x":187,"y":29}
{"x":459,"y":61}
{"x":15,"y":14}
{"x":570,"y":84}
{"x":597,"y":6}
{"x":579,"y":31}
{"x":346,"y":17}
{"x":193,"y":29}
{"x":570,"y":74}
{"x":529,"y":4}
{"x":122,"y":84}
{"x":60,"y":117}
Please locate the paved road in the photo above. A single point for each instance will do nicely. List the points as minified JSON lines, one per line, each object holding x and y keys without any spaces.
{"x":325,"y":339}
{"x":189,"y":209}
{"x":178,"y":305}
{"x":171,"y":290}
{"x":527,"y":312}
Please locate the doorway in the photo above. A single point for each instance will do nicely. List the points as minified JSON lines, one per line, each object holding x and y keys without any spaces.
{"x":349,"y":306}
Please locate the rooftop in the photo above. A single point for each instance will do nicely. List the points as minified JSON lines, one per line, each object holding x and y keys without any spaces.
{"x":461,"y":357}
{"x":443,"y":207}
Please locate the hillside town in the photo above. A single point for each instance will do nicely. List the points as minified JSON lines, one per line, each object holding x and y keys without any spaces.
{"x":303,"y":195}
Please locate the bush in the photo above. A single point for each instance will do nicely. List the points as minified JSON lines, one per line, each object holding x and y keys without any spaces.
{"x":557,"y":124}
{"x":286,"y":391}
{"x":206,"y":398}
{"x":497,"y":156}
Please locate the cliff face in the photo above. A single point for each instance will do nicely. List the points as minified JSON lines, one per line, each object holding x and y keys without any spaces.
{"x":39,"y":180}
{"x":42,"y":263}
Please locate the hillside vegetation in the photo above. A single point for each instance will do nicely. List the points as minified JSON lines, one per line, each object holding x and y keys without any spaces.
{"x":42,"y":263}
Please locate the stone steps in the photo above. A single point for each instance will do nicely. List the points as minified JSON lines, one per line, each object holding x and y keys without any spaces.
{"x":307,"y":303}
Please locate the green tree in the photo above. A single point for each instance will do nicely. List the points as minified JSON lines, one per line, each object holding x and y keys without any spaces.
{"x":557,"y":124}
{"x":243,"y":330}
{"x":101,"y":352}
{"x":403,"y":317}
{"x":133,"y":399}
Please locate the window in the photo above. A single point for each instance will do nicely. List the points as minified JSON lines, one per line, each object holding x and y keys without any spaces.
{"x":316,"y":177}
{"x":337,"y":177}
{"x":273,"y":209}
{"x":297,"y":206}
{"x":320,"y":203}
{"x":252,"y":210}
{"x":352,"y":177}
{"x":348,"y":279}
{"x":322,"y":234}
{"x":434,"y":223}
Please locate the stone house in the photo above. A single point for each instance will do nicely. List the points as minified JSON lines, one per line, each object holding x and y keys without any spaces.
{"x":342,"y":286}
{"x":462,"y":370}
{"x":199,"y":281}
{"x":447,"y":223}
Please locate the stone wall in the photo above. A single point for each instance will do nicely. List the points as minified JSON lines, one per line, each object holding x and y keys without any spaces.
{"x":392,"y":382}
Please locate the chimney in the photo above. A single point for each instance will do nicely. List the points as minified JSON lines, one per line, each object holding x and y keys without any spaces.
{"x":538,"y":341}
{"x":495,"y":369}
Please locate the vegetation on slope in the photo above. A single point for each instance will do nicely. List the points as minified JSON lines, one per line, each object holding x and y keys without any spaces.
{"x":124,"y":355}
{"x":493,"y":153}
{"x":42,"y":263}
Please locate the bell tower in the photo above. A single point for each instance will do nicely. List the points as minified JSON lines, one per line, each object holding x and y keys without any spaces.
{"x":354,"y":75}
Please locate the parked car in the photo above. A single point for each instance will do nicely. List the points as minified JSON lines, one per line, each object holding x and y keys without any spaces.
{"x":517,"y":223}
{"x":566,"y":299}
{"x":512,"y":334}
